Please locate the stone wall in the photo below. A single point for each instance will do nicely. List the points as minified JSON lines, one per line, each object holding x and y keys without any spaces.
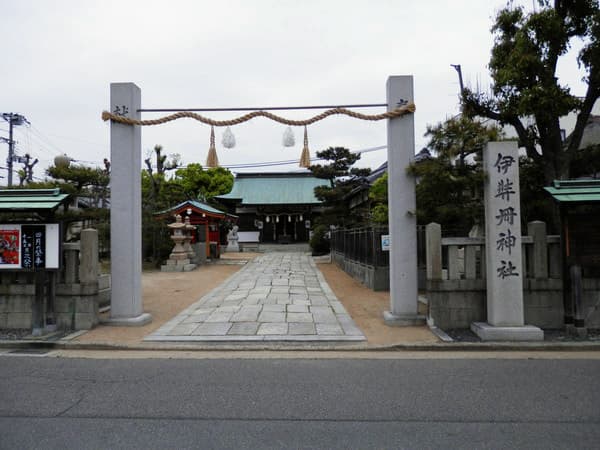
{"x":458,"y":303}
{"x":376,"y":278}
{"x":79,"y":290}
{"x":456,"y":287}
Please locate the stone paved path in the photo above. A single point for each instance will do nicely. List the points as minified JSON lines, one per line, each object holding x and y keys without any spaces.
{"x":275,"y":297}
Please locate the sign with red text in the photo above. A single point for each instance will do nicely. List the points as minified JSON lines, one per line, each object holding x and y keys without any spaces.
{"x":29,"y":246}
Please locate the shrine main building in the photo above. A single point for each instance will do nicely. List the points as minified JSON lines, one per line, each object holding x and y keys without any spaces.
{"x":281,"y":206}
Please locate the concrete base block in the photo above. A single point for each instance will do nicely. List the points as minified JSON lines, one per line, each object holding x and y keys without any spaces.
{"x":487,"y":332}
{"x":138,"y":321}
{"x":171,"y":268}
{"x":403,"y":320}
{"x":579,"y":332}
{"x":189,"y":267}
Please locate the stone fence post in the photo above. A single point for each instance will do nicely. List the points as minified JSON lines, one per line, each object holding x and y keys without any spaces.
{"x":433,"y":250}
{"x":88,"y":259}
{"x":71,"y":271}
{"x":539,"y":254}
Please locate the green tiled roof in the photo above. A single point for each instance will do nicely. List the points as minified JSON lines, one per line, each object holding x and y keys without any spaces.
{"x":274,"y":189}
{"x":575,"y":191}
{"x":31,"y":199}
{"x":196,"y":204}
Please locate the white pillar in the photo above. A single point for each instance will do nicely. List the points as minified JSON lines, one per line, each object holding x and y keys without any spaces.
{"x":125,"y":209}
{"x":402,"y":208}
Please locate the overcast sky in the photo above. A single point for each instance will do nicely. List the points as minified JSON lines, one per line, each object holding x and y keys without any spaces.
{"x":59,"y":58}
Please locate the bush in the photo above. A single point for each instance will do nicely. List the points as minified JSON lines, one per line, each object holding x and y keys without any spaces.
{"x":319,"y":243}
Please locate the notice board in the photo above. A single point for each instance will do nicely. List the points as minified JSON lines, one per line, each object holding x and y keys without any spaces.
{"x":29,"y":246}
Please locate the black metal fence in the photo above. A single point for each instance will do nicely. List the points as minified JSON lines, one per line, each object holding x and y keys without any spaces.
{"x":363,"y":245}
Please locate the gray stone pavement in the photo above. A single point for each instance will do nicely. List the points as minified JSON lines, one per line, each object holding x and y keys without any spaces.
{"x":275,"y":297}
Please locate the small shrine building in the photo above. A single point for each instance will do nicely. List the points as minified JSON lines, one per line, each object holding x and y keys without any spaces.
{"x":209,"y":222}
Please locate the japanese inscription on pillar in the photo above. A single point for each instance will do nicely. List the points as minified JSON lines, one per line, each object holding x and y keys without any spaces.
{"x":503,"y":233}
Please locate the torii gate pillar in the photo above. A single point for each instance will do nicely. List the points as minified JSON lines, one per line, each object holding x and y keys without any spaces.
{"x":402,"y":208}
{"x":126,"y":306}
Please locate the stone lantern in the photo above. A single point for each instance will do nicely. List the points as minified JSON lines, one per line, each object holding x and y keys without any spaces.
{"x":179,"y":260}
{"x":187,"y":243}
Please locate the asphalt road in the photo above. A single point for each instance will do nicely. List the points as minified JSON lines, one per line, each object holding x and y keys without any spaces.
{"x":56,"y":403}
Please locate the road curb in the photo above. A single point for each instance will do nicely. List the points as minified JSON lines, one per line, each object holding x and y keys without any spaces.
{"x":413,"y":347}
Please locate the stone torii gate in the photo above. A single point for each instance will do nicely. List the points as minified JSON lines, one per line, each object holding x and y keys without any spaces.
{"x":125,"y":227}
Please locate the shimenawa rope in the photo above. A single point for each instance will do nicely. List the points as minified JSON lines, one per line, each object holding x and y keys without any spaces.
{"x":398,"y":112}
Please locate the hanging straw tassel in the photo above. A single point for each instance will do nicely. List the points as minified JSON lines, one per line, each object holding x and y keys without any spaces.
{"x":305,"y":156}
{"x":212,"y":160}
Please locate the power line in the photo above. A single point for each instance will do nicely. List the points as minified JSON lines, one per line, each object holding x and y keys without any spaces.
{"x":77,"y":140}
{"x":263,"y":108}
{"x":38,"y":133}
{"x":291,"y":161}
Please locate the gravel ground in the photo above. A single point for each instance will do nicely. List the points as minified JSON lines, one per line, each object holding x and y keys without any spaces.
{"x":25,"y":333}
{"x":18,"y":333}
{"x":466,"y":335}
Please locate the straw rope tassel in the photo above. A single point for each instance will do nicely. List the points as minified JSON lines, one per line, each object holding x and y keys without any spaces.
{"x":212,"y":160}
{"x":305,"y":156}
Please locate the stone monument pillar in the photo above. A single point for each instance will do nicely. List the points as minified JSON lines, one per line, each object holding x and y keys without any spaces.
{"x":504,"y":265}
{"x":402,"y":208}
{"x":126,"y":209}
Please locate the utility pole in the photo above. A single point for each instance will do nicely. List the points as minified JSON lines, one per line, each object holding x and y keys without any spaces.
{"x":460,"y":80}
{"x":13,"y":119}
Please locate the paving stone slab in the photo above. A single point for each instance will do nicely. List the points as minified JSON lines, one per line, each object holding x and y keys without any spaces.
{"x":184,"y":329}
{"x":295,"y":308}
{"x":302,"y":328}
{"x":299,"y":317}
{"x":350,"y":329}
{"x":274,"y":308}
{"x":246,"y":314}
{"x":301,"y":302}
{"x":270,"y":316}
{"x":298,"y":291}
{"x":227,"y":308}
{"x":195,"y":318}
{"x":337,"y":307}
{"x":279,"y":290}
{"x":219,"y":317}
{"x":244,"y":328}
{"x":329,"y":329}
{"x":260,"y":290}
{"x":251,"y":301}
{"x":324,"y":317}
{"x":319,"y":302}
{"x":272,"y":328}
{"x":212,"y":329}
{"x":201,"y":311}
